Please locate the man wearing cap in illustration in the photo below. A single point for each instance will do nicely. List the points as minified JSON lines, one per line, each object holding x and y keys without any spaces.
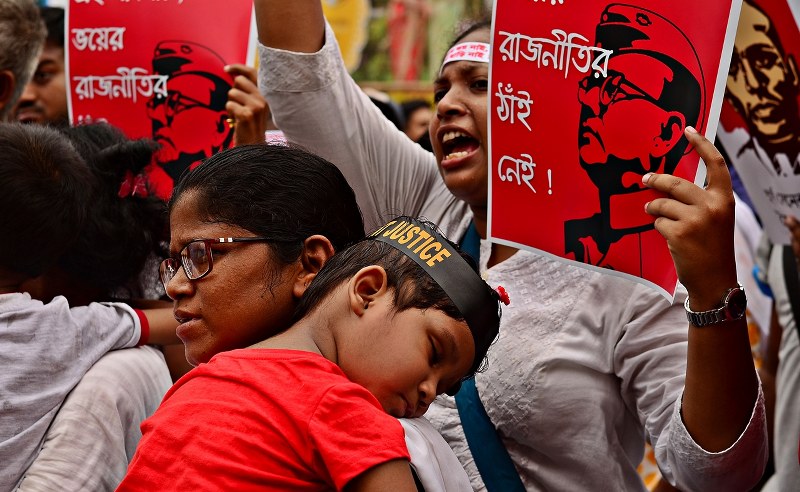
{"x":631,"y":123}
{"x":763,"y":87}
{"x":191,"y":123}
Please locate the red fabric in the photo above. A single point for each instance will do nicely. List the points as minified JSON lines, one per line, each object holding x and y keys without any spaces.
{"x":159,"y":183}
{"x":144,"y":337}
{"x":260,"y":419}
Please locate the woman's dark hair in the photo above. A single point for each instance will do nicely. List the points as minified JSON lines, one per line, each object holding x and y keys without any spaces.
{"x":124,"y":226}
{"x":279,"y":191}
{"x":467,"y":28}
{"x":45,"y":190}
{"x":484,"y":22}
{"x":413,"y":286}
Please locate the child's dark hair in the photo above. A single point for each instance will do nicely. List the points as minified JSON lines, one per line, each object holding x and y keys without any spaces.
{"x":46,"y":189}
{"x":279,"y":191}
{"x":124,"y":228}
{"x":413,"y":286}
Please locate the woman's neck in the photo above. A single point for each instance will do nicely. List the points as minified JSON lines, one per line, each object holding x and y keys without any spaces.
{"x":500,"y":252}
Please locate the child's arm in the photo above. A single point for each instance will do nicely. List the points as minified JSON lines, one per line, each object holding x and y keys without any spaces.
{"x":391,"y":475}
{"x":158,"y":325}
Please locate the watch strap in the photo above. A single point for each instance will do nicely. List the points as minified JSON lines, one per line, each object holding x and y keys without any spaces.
{"x":717,"y":315}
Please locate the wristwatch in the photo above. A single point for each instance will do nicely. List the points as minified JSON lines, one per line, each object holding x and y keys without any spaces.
{"x":734,"y":304}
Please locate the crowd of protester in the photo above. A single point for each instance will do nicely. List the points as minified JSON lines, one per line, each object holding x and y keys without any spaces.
{"x":321,"y":310}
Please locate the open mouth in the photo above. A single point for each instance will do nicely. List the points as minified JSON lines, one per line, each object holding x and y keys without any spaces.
{"x":457,"y":144}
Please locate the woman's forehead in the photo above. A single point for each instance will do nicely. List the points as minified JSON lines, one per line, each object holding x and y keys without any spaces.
{"x":186,"y":223}
{"x":462,"y":69}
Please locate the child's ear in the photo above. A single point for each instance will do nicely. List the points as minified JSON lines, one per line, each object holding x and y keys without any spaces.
{"x":366,"y":286}
{"x":317,"y":250}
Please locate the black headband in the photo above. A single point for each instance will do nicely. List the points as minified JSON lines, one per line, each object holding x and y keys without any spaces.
{"x":473,"y":297}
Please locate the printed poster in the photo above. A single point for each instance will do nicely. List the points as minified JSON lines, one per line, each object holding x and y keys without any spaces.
{"x":349,"y":20}
{"x":585,"y":98}
{"x":760,"y":121}
{"x":155,"y":69}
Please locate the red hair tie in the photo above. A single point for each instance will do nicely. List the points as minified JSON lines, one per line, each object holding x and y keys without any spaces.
{"x":503,"y":295}
{"x":133,"y":186}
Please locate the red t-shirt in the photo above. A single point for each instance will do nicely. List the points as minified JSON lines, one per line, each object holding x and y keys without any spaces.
{"x":267,"y":420}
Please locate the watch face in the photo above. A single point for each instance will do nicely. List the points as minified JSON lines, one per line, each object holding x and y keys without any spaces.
{"x":737,"y":303}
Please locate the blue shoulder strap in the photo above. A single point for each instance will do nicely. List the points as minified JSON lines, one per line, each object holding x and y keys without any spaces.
{"x":493,"y":462}
{"x":471,"y":242}
{"x":491,"y":457}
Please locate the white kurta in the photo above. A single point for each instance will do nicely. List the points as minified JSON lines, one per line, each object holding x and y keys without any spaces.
{"x":586,"y":366}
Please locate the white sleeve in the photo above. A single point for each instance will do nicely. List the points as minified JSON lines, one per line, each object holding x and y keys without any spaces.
{"x":435,"y":463}
{"x":96,"y":431}
{"x":684,"y":462}
{"x":317,"y":105}
{"x":650,"y":359}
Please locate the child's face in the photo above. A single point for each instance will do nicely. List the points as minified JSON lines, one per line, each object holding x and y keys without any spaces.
{"x":245,"y":298}
{"x":406,"y":358}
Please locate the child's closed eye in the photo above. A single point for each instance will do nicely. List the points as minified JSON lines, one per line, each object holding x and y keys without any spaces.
{"x":435,"y":353}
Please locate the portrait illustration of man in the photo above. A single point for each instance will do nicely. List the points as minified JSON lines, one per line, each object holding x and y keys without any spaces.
{"x":189,"y":124}
{"x":763,"y":87}
{"x":632,"y":122}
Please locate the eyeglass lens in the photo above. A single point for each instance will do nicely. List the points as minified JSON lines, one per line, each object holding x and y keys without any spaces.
{"x":196,"y":259}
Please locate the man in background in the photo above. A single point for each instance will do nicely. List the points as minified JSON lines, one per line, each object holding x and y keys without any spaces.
{"x":22,"y":34}
{"x":44,"y":100}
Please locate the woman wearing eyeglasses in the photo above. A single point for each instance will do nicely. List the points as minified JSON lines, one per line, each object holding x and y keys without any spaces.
{"x":587,"y":366}
{"x":249,"y":230}
{"x":247,"y":235}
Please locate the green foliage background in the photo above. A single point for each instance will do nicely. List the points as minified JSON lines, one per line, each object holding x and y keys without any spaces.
{"x":375,"y":66}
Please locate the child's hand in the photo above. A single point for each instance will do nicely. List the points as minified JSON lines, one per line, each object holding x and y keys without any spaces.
{"x":794,"y":229}
{"x":698,"y":226}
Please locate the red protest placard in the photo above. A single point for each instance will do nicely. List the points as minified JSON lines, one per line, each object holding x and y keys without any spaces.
{"x":155,"y":68}
{"x":760,"y":120}
{"x":585,"y":98}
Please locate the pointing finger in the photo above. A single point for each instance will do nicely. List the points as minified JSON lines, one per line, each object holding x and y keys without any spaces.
{"x":718,"y":177}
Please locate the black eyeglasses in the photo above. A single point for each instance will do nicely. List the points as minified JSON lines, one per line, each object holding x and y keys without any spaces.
{"x":174,"y":103}
{"x":614,"y":88}
{"x":196,"y":258}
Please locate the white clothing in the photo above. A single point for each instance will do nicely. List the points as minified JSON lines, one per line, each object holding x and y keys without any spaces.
{"x":45,"y":350}
{"x":746,"y":237}
{"x":437,"y":467}
{"x":773,"y":195}
{"x":95,"y":434}
{"x":786,"y":431}
{"x":586,"y":364}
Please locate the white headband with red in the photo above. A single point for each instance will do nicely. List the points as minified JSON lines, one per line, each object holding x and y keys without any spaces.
{"x":473,"y":51}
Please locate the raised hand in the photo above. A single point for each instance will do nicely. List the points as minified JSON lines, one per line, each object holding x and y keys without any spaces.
{"x":698,"y":226}
{"x":247,"y":107}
